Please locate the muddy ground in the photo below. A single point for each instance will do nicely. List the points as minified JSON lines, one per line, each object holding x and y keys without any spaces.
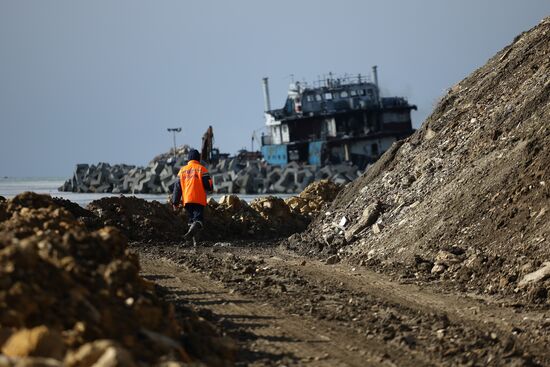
{"x":284,"y":309}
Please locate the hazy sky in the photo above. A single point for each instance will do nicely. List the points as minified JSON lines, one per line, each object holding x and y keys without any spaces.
{"x":90,"y":81}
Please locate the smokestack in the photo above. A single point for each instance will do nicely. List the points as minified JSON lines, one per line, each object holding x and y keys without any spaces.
{"x":375,"y":75}
{"x":267,"y":102}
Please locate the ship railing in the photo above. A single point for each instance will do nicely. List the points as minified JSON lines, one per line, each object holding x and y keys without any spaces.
{"x":334,"y":82}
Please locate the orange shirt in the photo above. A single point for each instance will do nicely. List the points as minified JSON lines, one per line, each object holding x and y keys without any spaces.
{"x":191,"y":183}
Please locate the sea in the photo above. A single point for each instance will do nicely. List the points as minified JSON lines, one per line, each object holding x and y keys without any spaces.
{"x":10,"y":187}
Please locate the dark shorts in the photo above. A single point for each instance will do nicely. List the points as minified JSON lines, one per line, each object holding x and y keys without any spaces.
{"x":195,"y":212}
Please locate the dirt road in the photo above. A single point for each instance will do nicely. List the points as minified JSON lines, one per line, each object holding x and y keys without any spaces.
{"x":283,"y":309}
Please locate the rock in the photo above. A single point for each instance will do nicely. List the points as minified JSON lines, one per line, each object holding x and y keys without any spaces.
{"x":333,"y":260}
{"x":100,"y":353}
{"x":447,"y":258}
{"x":474,"y":262}
{"x":377,"y":228}
{"x":430,"y":134}
{"x":536,"y":276}
{"x":438,"y":269}
{"x":314,"y":199}
{"x":231,"y":202}
{"x":343,"y":222}
{"x":369,"y":217}
{"x":371,"y":213}
{"x":537,"y":217}
{"x":38,"y":342}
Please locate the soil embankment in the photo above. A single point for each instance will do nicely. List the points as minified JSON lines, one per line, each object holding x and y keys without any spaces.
{"x":465,"y":201}
{"x":72,"y":296}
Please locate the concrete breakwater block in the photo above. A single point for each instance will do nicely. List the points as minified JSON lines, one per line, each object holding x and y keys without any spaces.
{"x":230,"y":176}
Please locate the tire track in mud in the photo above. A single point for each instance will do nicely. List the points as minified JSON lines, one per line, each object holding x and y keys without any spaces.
{"x":366,"y":318}
{"x":266,"y":335}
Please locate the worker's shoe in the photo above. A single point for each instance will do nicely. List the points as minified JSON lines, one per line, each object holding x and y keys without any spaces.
{"x":193,"y":229}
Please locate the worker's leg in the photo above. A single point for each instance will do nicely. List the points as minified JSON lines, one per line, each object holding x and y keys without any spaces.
{"x":195,"y":213}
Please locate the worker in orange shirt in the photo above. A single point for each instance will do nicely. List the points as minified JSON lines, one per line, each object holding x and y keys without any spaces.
{"x":190,"y":190}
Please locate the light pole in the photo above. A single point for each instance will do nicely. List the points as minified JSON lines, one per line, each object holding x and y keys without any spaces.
{"x":174,"y":130}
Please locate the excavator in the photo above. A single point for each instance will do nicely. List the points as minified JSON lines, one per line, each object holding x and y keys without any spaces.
{"x":209,"y":154}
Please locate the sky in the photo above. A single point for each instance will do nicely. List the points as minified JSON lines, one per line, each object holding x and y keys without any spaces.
{"x":101,"y":81}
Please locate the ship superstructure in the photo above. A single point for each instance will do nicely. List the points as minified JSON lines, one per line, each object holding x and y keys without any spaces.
{"x":338,"y":120}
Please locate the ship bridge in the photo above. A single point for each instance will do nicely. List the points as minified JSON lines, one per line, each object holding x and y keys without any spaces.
{"x":340,"y":119}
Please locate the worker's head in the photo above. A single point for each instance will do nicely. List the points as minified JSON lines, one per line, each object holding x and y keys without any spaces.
{"x":193,"y":155}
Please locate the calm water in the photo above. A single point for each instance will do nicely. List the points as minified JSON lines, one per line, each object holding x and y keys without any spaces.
{"x":9,"y":187}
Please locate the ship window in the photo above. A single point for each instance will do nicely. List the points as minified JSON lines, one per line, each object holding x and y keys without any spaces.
{"x":344,"y":94}
{"x":353,"y":92}
{"x":309,"y":98}
{"x":318,"y":98}
{"x":328,"y":96}
{"x":371,"y":93}
{"x":361,"y":92}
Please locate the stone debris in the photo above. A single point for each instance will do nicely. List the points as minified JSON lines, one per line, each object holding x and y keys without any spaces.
{"x":536,"y":276}
{"x":369,"y":217}
{"x":315,"y":198}
{"x":37,"y":342}
{"x":377,"y":228}
{"x":65,"y":286}
{"x":139,"y":219}
{"x":467,"y":193}
{"x":100,"y":353}
{"x":231,"y":218}
{"x":230,"y":176}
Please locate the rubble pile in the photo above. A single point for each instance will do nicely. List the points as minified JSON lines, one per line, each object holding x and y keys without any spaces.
{"x":466,"y":199}
{"x":230,"y":176}
{"x":74,"y":297}
{"x":279,"y":216}
{"x":315,"y":198}
{"x":231,"y":218}
{"x":138,"y":219}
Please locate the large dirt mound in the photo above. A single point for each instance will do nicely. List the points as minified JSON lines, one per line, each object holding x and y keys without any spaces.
{"x":465,"y":200}
{"x":75,"y":295}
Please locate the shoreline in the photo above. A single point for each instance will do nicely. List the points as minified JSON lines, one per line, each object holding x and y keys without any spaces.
{"x":12,"y":187}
